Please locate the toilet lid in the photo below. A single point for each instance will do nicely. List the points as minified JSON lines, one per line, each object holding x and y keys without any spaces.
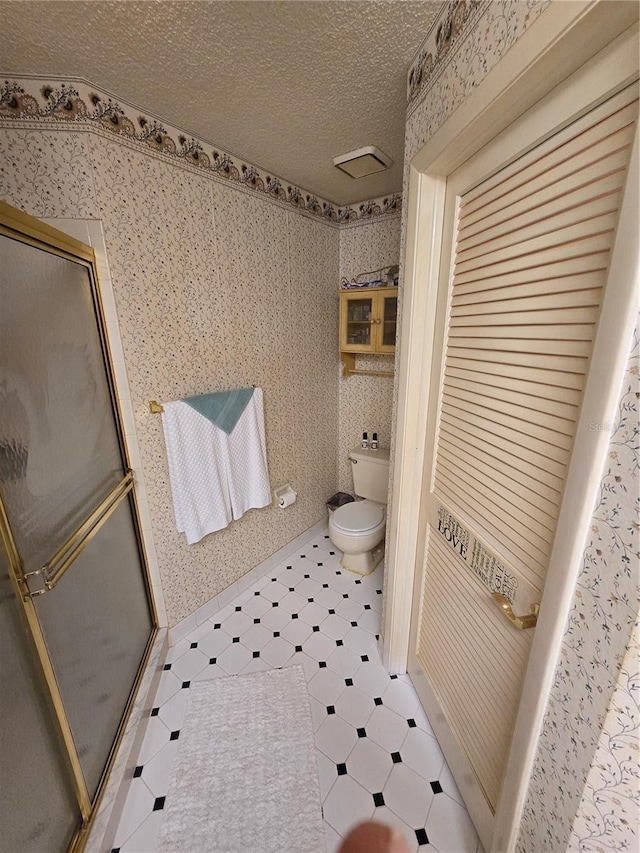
{"x":357,"y":517}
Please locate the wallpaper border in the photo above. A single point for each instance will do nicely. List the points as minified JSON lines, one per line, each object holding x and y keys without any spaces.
{"x":79,"y":102}
{"x":455,"y":17}
{"x":455,"y":25}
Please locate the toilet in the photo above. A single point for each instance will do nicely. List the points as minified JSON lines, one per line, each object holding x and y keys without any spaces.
{"x":357,"y":528}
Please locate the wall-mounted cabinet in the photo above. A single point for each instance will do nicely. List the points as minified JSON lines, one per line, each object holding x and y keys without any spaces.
{"x":367,"y":325}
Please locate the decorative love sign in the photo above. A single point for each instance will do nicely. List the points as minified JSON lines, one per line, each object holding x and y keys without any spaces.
{"x":477,"y":557}
{"x":456,"y":535}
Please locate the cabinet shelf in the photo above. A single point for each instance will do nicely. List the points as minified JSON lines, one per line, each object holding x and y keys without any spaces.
{"x":349,"y":367}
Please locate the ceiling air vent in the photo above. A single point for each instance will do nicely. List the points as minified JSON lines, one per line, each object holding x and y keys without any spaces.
{"x":365,"y":161}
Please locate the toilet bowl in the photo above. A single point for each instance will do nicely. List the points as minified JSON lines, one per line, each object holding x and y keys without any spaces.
{"x":357,"y":529}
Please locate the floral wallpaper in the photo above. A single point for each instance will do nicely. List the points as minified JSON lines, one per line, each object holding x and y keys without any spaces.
{"x":588,"y":737}
{"x":215,"y":286}
{"x":582,"y":718}
{"x":222,"y":277}
{"x":608,"y":819}
{"x":46,"y":178}
{"x":365,"y":402}
{"x":62,"y":102}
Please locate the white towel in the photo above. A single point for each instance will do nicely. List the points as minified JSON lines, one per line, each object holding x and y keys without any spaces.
{"x":215,"y":478}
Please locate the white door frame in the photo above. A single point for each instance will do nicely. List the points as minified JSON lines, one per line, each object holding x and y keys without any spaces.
{"x":563,"y":39}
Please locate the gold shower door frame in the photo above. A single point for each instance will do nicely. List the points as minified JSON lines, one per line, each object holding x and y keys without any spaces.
{"x":26,"y":229}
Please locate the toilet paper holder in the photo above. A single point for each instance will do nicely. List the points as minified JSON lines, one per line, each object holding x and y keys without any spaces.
{"x":284,"y":496}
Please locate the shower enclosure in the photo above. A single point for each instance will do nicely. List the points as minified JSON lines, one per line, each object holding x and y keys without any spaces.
{"x":76,"y":617}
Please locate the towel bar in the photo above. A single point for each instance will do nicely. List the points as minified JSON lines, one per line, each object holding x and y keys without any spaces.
{"x":157,"y":409}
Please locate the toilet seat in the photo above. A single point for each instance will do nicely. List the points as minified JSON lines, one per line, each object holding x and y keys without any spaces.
{"x":358,"y":517}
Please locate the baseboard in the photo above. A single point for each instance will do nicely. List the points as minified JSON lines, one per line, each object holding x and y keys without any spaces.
{"x":211,"y":607}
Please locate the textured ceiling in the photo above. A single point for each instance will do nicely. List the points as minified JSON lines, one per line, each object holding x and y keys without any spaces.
{"x":284,"y":85}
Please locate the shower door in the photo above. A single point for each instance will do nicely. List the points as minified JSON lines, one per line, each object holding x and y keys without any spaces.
{"x":70,"y":540}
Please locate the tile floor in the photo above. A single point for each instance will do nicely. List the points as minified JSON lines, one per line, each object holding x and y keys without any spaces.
{"x":377,"y":756}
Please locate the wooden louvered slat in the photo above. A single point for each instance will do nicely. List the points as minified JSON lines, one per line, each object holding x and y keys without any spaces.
{"x":487,"y":734}
{"x":571,"y":238}
{"x":568,"y":364}
{"x":537,"y":446}
{"x":516,"y":399}
{"x":494,"y":680}
{"x":504,"y":374}
{"x":585,"y":170}
{"x":527,"y":542}
{"x":490,"y":681}
{"x":519,"y":426}
{"x":477,"y":682}
{"x":530,"y":462}
{"x":557,"y":149}
{"x":556,"y":317}
{"x":508,"y":301}
{"x":573,"y":349}
{"x":487,"y":504}
{"x":541,"y":331}
{"x":539,"y":524}
{"x":490,"y":479}
{"x":586,"y":247}
{"x":545,"y":391}
{"x":468,"y":586}
{"x":511,"y":467}
{"x":542,"y":467}
{"x":544,"y":217}
{"x":484,"y":748}
{"x":549,"y":413}
{"x":520,"y":396}
{"x":543,"y":228}
{"x":574,"y":206}
{"x":560,"y":276}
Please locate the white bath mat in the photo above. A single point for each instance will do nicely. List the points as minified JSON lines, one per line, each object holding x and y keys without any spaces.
{"x":246,"y":778}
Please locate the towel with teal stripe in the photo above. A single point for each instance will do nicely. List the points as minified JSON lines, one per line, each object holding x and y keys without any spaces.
{"x":222,"y":408}
{"x":217,"y":459}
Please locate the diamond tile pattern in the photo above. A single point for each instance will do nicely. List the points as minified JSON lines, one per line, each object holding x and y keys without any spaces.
{"x":377,"y":756}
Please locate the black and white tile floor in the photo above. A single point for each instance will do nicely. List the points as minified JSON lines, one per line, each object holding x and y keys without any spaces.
{"x":377,"y":756}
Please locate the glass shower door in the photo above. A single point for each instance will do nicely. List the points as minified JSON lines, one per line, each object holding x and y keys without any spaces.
{"x":70,"y":534}
{"x":38,"y":808}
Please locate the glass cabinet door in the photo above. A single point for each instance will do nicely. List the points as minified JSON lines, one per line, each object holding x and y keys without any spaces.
{"x":389,"y":313}
{"x":357,"y":333}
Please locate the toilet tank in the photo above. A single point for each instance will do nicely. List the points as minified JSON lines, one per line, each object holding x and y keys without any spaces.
{"x":370,"y":470}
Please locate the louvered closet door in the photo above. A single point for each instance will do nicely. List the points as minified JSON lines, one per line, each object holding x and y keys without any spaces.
{"x":530,"y":256}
